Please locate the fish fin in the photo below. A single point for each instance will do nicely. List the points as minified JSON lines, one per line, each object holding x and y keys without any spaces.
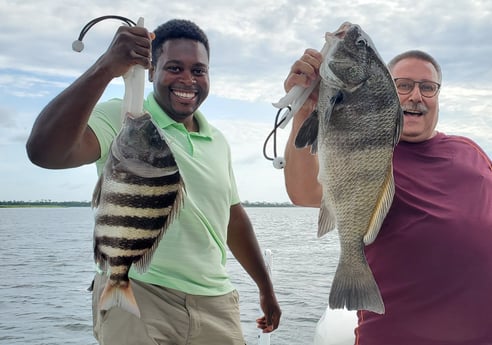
{"x":398,"y":127}
{"x":308,"y":133}
{"x":96,"y":194}
{"x":99,"y":258}
{"x":326,"y":219}
{"x":143,"y":263}
{"x":118,"y":296}
{"x":334,"y":100}
{"x":384,"y":201}
{"x":337,"y":98}
{"x":354,"y":287}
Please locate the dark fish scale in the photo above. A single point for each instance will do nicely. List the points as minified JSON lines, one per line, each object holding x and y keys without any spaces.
{"x":139,"y":223}
{"x":120,"y":279}
{"x":131,"y":179}
{"x":123,"y":260}
{"x":159,"y":201}
{"x":125,"y":243}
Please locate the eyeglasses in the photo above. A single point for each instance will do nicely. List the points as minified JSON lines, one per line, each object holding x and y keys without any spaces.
{"x":427,"y":88}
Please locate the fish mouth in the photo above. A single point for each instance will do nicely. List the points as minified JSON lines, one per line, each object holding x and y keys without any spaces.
{"x":342,"y":30}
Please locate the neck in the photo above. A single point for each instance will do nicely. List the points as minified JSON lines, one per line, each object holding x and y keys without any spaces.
{"x":191,"y":124}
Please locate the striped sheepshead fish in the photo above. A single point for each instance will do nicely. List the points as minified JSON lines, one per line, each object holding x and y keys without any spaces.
{"x":136,"y":198}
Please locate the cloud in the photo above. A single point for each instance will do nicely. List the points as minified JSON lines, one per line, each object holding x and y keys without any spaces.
{"x":253,"y":45}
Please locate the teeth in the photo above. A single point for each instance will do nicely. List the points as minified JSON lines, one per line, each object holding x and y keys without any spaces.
{"x":186,"y":95}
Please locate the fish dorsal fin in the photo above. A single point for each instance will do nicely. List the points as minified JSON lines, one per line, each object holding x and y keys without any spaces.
{"x":143,"y":263}
{"x":327,"y":218}
{"x":308,"y":133}
{"x":385,"y":199}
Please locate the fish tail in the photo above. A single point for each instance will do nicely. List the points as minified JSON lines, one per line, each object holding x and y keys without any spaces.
{"x":356,"y":289}
{"x":119,"y":294}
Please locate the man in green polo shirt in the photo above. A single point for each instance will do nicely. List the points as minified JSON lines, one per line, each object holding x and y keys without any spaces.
{"x":185,"y":297}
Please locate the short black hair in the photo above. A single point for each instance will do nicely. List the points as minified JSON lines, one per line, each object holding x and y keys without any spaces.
{"x":175,"y":29}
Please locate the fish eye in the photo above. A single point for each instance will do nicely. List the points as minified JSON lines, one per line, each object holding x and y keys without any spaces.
{"x":361,"y":42}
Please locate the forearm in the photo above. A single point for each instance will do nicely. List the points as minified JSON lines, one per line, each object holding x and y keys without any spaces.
{"x":301,"y":169}
{"x":60,"y":137}
{"x":244,"y":246}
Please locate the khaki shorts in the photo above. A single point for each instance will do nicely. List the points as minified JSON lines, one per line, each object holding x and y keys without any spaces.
{"x":168,"y":317}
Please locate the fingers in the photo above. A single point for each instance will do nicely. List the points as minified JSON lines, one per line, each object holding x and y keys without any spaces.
{"x":305,"y":70}
{"x":130,"y":46}
{"x":141,"y":46}
{"x":271,"y":323}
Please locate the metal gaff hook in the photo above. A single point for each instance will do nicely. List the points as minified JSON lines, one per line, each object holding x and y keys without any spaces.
{"x":78,"y":45}
{"x":278,"y":162}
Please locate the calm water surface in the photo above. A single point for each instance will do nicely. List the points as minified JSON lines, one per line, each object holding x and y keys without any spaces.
{"x":47,"y":264}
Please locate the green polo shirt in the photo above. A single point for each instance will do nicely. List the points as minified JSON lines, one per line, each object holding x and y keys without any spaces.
{"x":191,"y":257}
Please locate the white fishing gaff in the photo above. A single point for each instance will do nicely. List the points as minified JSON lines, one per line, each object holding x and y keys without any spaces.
{"x":134,"y":80}
{"x":296,"y":97}
{"x":264,"y":338}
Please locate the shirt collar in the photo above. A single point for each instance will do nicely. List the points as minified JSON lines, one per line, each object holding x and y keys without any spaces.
{"x":164,"y":121}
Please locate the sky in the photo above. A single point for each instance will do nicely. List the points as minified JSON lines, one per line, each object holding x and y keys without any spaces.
{"x":253,"y":45}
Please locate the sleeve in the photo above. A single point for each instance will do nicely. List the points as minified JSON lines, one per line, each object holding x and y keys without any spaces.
{"x":234,"y":193}
{"x":105,"y":122}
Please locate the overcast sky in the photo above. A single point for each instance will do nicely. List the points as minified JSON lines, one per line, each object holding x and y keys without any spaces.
{"x":253,"y":45}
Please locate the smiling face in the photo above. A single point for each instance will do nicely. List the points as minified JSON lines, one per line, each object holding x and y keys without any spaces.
{"x":180,"y":78}
{"x":420,"y":113}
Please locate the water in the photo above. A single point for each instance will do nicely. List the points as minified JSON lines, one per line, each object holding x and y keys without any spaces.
{"x":47,"y":264}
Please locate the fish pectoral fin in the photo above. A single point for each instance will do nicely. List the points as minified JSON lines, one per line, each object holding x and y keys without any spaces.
{"x":398,"y":127}
{"x":96,"y":194}
{"x":326,"y":219}
{"x":385,"y":199}
{"x":334,"y":100}
{"x":308,"y":133}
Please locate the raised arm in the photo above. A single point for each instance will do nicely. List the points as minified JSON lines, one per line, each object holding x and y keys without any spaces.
{"x":301,"y":167}
{"x":60,"y":137}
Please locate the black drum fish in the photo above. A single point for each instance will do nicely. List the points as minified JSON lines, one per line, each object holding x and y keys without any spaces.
{"x":354,"y":129}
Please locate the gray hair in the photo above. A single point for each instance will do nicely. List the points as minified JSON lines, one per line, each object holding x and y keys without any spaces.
{"x":417,"y":54}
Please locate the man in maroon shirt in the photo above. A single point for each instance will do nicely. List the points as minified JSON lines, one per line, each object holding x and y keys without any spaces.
{"x":432,"y":259}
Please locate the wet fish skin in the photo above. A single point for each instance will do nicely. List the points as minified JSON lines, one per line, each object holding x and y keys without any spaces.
{"x":354,"y":129}
{"x":137,"y":196}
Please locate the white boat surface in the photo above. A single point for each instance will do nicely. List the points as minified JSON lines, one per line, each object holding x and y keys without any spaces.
{"x":336,"y":327}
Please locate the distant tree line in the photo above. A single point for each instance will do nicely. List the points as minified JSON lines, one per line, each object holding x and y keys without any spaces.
{"x":50,"y":203}
{"x":44,"y":203}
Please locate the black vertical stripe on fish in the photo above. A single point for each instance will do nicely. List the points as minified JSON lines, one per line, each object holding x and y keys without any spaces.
{"x":158,"y":201}
{"x":166,"y":180}
{"x":144,"y":223}
{"x":125,"y":243}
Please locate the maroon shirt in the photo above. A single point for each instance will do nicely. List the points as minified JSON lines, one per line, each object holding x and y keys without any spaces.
{"x":432,"y":258}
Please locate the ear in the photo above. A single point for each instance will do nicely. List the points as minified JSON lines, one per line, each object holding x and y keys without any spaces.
{"x":151,"y":73}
